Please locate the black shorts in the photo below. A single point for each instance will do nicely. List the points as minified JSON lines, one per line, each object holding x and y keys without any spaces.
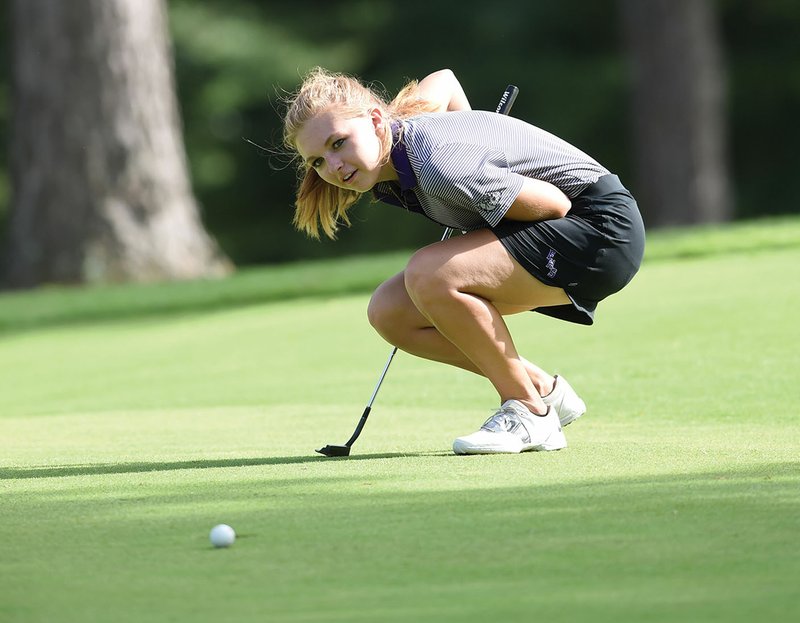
{"x":594,"y":251}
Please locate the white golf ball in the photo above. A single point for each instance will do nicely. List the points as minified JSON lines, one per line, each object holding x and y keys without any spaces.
{"x":222,"y":535}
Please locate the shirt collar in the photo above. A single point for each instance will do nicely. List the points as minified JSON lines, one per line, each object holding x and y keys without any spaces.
{"x":400,"y":159}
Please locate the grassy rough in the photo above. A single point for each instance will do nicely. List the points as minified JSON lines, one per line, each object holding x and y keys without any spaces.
{"x":60,"y":305}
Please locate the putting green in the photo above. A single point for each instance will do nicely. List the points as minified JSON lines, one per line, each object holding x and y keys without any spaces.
{"x":122,"y":442}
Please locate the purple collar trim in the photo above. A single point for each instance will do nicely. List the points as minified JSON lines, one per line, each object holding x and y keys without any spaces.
{"x":401,"y":192}
{"x":400,"y":160}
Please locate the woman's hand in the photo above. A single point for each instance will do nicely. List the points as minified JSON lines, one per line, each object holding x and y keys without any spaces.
{"x":443,"y":89}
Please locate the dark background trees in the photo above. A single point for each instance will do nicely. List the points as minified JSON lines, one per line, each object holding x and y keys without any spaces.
{"x":679,"y":113}
{"x":101,"y":187}
{"x":571,"y":59}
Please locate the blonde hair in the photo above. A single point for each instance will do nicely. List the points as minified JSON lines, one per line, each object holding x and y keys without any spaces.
{"x":319,"y":204}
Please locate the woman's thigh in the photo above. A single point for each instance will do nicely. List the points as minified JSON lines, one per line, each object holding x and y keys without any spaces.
{"x":477,"y":263}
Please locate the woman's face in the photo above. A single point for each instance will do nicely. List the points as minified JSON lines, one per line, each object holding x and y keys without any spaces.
{"x":345,"y":151}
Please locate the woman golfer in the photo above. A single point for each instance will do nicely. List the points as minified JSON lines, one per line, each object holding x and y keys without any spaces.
{"x":547,"y":227}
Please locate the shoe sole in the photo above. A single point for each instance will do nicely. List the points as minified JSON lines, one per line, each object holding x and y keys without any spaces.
{"x":559,"y":443}
{"x":548,"y":446}
{"x":570,"y":419}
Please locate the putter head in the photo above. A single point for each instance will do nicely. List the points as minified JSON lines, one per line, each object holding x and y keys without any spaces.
{"x":335,"y":450}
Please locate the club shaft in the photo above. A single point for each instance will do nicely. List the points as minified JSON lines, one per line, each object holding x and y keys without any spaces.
{"x":448,"y":231}
{"x":383,"y":376}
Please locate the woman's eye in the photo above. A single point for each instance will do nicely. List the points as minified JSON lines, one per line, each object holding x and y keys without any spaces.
{"x":338,"y":143}
{"x":316,"y":163}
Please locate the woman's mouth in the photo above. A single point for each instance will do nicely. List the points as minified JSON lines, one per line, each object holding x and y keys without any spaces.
{"x":346,"y":179}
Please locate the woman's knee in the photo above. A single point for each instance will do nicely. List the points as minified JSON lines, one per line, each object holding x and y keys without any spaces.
{"x":390,"y":310}
{"x":426,"y":276}
{"x":379,"y":308}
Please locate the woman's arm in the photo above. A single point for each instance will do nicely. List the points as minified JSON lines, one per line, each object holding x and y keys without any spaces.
{"x":538,"y":201}
{"x":443,"y":88}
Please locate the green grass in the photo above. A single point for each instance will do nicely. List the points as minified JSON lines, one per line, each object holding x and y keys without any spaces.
{"x":125,"y":437}
{"x":323,"y":278}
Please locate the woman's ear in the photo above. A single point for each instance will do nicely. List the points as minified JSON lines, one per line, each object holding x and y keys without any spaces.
{"x":376,"y":116}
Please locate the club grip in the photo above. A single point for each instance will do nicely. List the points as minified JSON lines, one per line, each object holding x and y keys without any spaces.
{"x":507,"y":100}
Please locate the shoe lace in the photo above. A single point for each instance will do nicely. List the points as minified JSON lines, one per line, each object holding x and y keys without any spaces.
{"x":503,"y":420}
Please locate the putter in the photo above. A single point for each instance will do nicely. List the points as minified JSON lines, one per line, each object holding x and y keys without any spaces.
{"x":503,"y":108}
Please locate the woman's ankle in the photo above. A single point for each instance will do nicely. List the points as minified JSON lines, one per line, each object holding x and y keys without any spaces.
{"x":543,"y":382}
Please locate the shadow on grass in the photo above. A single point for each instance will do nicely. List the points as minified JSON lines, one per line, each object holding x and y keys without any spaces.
{"x":714,"y":545}
{"x":93,"y":469}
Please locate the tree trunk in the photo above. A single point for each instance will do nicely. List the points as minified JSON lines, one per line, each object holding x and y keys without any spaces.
{"x":100,"y":183}
{"x":679,"y":116}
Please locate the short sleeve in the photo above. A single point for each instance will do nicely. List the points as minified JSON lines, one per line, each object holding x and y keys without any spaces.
{"x":473,"y":177}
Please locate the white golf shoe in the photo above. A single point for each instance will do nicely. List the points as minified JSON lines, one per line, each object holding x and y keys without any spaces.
{"x":565,"y":401}
{"x":513,"y":429}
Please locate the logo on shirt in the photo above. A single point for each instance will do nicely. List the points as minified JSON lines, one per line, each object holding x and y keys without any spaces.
{"x":489,"y":201}
{"x":551,"y":264}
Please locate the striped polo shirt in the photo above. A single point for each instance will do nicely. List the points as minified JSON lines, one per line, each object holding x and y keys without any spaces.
{"x":465,"y":169}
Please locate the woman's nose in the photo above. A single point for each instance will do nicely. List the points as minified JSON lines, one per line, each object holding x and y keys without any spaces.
{"x":334,"y":164}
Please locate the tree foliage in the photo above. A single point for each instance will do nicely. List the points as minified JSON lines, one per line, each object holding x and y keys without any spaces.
{"x":234,"y":59}
{"x":572,"y":83}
